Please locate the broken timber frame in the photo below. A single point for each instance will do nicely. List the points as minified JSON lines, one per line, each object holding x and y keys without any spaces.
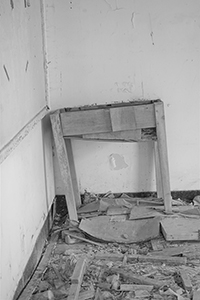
{"x":134,"y":121}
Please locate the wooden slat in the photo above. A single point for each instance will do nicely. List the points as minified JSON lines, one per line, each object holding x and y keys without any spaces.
{"x":73,"y":172}
{"x":162,"y":154}
{"x":129,"y":136}
{"x":64,"y":165}
{"x":133,"y":117}
{"x":84,"y":122}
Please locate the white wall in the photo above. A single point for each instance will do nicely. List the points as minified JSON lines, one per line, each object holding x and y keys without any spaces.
{"x":27,"y":183}
{"x":24,"y":207}
{"x":114,"y":50}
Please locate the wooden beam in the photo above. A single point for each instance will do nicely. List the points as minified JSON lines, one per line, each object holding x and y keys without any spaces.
{"x":162,"y":154}
{"x":133,"y":117}
{"x":64,"y":165}
{"x":84,"y":122}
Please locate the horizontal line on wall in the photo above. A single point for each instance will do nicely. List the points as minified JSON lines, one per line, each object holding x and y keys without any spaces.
{"x":18,"y":138}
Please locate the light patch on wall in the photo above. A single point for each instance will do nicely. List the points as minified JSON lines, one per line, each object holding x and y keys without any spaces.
{"x":117,"y":162}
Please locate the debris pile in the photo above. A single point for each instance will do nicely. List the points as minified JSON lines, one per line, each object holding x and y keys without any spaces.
{"x":124,"y":248}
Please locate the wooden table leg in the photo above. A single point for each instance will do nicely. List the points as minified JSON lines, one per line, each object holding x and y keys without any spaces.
{"x":64,"y":165}
{"x":162,"y":154}
{"x":73,"y":172}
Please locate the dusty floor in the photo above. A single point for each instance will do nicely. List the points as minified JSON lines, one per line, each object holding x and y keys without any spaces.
{"x":116,"y":271}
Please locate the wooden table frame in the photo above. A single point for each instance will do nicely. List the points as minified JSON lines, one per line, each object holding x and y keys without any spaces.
{"x":134,"y":121}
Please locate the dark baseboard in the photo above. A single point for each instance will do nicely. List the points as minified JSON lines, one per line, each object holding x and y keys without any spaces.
{"x":37,"y":252}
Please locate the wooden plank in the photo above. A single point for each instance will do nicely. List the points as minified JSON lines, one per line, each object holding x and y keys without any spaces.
{"x":128,"y":136}
{"x":74,"y":291}
{"x":127,"y":274}
{"x":84,"y":122}
{"x":158,"y":172}
{"x":64,"y":165}
{"x":73,"y":172}
{"x":180,"y":229}
{"x":142,"y":258}
{"x":135,"y":287}
{"x":186,"y":280}
{"x":158,"y":258}
{"x":134,"y":117}
{"x":77,"y":278}
{"x":79,"y":270}
{"x":171,"y":251}
{"x":162,"y":154}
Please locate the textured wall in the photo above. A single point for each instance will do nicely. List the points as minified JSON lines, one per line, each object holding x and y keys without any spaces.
{"x":105,"y":51}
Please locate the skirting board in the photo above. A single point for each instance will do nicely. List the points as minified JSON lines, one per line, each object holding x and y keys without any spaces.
{"x":37,"y":252}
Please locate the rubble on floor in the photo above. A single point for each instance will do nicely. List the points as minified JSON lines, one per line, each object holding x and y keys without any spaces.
{"x":109,"y":255}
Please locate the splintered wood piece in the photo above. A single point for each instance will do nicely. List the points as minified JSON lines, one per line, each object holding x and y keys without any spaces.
{"x":84,"y":122}
{"x":79,"y":270}
{"x":159,"y":258}
{"x":64,"y":165}
{"x":133,"y":117}
{"x":143,"y":258}
{"x":138,"y":279}
{"x":162,"y":155}
{"x":139,"y":212}
{"x":186,"y":280}
{"x":157,"y":245}
{"x":125,"y":231}
{"x":180,"y":229}
{"x":171,"y":251}
{"x":135,"y":287}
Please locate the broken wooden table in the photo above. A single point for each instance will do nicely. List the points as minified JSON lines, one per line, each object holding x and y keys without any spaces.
{"x":136,"y":121}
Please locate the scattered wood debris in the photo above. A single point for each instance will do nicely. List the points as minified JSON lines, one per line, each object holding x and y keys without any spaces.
{"x":111,"y":256}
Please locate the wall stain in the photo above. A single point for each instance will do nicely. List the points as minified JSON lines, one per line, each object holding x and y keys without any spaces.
{"x":117,"y":162}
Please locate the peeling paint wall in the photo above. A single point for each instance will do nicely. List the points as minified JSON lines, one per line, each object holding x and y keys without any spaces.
{"x":120,"y":50}
{"x":26,"y":174}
